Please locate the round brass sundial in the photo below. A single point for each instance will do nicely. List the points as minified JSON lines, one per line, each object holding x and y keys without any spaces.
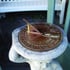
{"x":41,"y":37}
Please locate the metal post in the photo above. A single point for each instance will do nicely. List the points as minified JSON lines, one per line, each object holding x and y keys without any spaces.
{"x":67,"y":18}
{"x":50,"y":13}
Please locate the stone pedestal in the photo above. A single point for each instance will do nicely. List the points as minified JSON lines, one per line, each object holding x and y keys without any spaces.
{"x":37,"y":60}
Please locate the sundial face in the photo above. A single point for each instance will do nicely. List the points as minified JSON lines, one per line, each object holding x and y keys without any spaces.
{"x":42,"y":37}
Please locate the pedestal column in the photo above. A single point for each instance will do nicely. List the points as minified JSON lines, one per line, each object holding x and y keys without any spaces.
{"x":50,"y":65}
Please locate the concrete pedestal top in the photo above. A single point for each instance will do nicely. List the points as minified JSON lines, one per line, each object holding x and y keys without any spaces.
{"x":35,"y":58}
{"x":38,"y":55}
